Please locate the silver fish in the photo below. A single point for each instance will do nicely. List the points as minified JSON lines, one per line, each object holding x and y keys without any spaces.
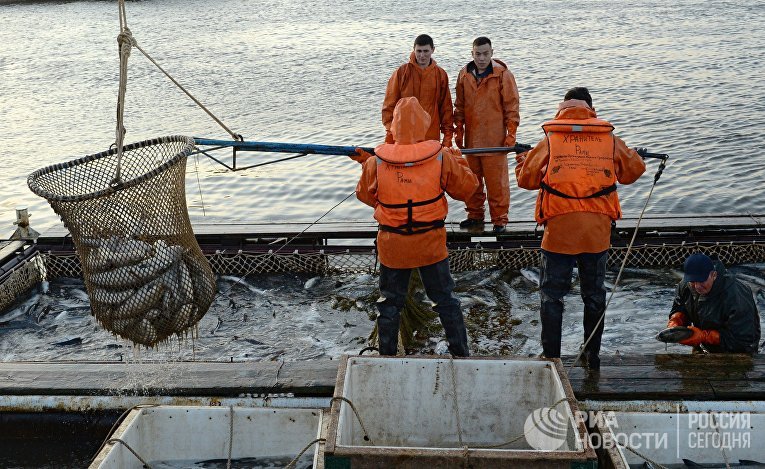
{"x":110,"y":297}
{"x":144,"y":299}
{"x":139,"y":274}
{"x":673,"y":335}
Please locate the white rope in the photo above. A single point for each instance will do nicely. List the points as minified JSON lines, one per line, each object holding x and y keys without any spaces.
{"x":618,"y":276}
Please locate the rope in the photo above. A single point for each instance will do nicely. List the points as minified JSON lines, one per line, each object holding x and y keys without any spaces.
{"x":455,"y":405}
{"x":199,"y":183}
{"x":117,"y":440}
{"x":198,"y":103}
{"x":241,"y":279}
{"x":722,"y":448}
{"x":643,"y":456}
{"x":116,"y":423}
{"x":358,"y":417}
{"x":624,"y":263}
{"x":125,"y":41}
{"x":294,"y":461}
{"x":230,"y":435}
{"x":522,"y":435}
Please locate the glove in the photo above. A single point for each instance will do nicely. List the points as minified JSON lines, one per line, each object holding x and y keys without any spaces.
{"x":510,"y":140}
{"x":459,"y":137}
{"x":447,"y":141}
{"x":360,"y":155}
{"x":642,"y":151}
{"x":520,"y":158}
{"x":389,"y":137}
{"x":676,"y":319}
{"x":702,"y":336}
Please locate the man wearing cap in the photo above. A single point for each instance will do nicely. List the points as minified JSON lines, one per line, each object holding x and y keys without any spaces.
{"x":716,"y":307}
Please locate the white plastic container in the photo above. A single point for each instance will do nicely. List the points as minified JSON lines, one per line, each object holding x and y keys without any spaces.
{"x":408,"y":408}
{"x":666,"y":438}
{"x":178,"y":434}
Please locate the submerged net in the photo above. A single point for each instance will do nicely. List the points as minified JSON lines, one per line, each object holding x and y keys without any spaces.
{"x":144,"y":271}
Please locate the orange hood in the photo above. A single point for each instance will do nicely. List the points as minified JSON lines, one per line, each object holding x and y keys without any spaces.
{"x":575,"y":109}
{"x":410,"y":122}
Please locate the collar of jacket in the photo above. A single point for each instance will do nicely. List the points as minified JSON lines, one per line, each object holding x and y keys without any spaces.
{"x":411,"y":154}
{"x":413,"y":61}
{"x":719,"y":286}
{"x":572,"y":110}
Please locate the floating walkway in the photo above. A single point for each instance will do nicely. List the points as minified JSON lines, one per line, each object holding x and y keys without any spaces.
{"x":621,"y":378}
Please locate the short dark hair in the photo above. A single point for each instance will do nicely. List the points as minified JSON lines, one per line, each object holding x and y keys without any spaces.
{"x":479,"y":41}
{"x":424,"y":40}
{"x":579,"y":92}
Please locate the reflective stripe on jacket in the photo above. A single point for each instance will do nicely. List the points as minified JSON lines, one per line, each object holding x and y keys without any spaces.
{"x":581,"y":175}
{"x":409,"y":193}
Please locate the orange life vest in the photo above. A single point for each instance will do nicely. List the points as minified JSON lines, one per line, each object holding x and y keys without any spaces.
{"x":409,"y":193}
{"x":580,"y":175}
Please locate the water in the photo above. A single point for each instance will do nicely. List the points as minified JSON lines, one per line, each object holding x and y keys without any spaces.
{"x":684,"y":78}
{"x":296,"y":317}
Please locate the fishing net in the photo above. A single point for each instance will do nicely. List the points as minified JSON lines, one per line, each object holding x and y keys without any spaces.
{"x":144,"y":272}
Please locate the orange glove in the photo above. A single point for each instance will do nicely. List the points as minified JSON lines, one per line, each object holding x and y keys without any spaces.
{"x":676,"y":319}
{"x":389,"y":137}
{"x":459,"y":137}
{"x":361,"y":156}
{"x":447,"y":141}
{"x":521,"y":157}
{"x":510,"y":141}
{"x":702,"y":336}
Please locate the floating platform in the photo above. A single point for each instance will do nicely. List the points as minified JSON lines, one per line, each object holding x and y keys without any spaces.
{"x":719,"y":377}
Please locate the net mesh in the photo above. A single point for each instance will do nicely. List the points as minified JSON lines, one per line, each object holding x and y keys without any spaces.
{"x":20,"y":280}
{"x":460,"y":260}
{"x":145,"y":274}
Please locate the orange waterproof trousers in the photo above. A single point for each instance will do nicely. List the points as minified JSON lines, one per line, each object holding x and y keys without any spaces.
{"x":493,"y":179}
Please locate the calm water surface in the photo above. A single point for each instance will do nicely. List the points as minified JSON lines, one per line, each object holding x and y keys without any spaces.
{"x":685,"y":78}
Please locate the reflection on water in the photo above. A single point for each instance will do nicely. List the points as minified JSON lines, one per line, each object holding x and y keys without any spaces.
{"x":315,"y":72}
{"x":298,"y":317}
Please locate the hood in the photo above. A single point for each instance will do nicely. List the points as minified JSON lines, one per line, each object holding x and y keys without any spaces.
{"x":413,"y":61}
{"x":575,"y":109}
{"x":410,"y":122}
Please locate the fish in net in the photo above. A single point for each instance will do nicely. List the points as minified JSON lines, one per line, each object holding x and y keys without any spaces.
{"x":144,"y":271}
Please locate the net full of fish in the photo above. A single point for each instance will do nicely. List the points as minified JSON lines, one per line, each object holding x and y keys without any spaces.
{"x":145,"y":291}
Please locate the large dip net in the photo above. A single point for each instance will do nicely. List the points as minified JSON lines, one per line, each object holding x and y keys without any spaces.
{"x":145,"y":274}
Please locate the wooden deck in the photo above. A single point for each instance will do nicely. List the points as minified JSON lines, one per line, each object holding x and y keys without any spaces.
{"x":647,"y":377}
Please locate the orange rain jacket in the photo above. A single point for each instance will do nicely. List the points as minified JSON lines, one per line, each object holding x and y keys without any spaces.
{"x":430,"y":85}
{"x":575,"y":226}
{"x":409,"y":170}
{"x":488,"y":110}
{"x":486,"y":113}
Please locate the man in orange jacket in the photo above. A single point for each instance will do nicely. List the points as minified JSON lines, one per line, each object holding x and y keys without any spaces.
{"x":576,"y":168}
{"x":486,"y":115}
{"x":406,"y":184}
{"x":718,"y":309}
{"x":422,"y":78}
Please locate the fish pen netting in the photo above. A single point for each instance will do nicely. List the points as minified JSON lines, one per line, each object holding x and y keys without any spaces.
{"x":460,"y":260}
{"x":143,"y":269}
